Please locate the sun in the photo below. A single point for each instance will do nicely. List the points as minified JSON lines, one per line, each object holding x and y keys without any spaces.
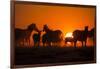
{"x":69,"y":34}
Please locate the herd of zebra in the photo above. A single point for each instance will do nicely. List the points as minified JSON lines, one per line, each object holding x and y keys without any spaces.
{"x":50,"y":37}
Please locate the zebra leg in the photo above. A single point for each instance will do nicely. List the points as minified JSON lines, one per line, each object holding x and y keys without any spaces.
{"x":93,"y":41}
{"x":35,"y":43}
{"x":23,"y":42}
{"x":85,"y":43}
{"x":75,"y":43}
{"x":65,"y":43}
{"x":43,"y":44}
{"x":82,"y":43}
{"x":29,"y":42}
{"x":49,"y":44}
{"x":72,"y":43}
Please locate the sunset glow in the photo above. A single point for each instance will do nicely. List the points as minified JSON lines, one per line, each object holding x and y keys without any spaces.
{"x":56,"y":17}
{"x":69,"y":35}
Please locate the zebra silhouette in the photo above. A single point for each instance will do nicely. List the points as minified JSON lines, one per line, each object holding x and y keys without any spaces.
{"x":80,"y":35}
{"x":23,"y":35}
{"x":51,"y":36}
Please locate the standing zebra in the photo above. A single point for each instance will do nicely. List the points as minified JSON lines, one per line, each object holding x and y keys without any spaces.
{"x":36,"y":38}
{"x":51,"y":36}
{"x":91,"y":34}
{"x":23,"y":35}
{"x":44,"y":39}
{"x":80,"y":35}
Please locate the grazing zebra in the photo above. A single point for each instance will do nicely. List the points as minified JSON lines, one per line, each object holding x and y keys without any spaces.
{"x":51,"y":36}
{"x":36,"y":38}
{"x":23,"y":35}
{"x":80,"y":35}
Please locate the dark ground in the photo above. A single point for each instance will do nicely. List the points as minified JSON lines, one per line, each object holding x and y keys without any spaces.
{"x":45,"y":55}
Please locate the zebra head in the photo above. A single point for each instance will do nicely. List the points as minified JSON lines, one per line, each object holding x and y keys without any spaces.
{"x":86,"y":28}
{"x":45,"y":28}
{"x":32,"y":27}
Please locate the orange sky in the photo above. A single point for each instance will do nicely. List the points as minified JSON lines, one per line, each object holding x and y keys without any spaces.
{"x":64,"y":18}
